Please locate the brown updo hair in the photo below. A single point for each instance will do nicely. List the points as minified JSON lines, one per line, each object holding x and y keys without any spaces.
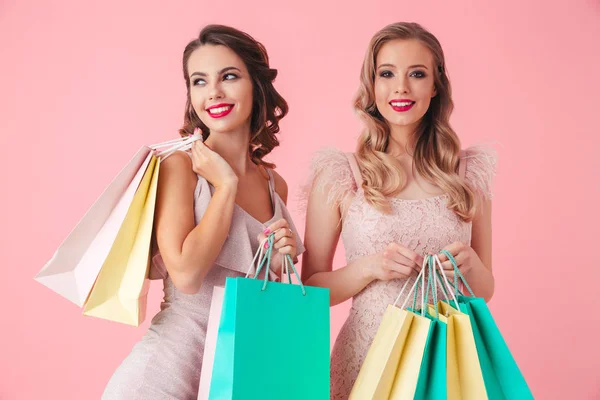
{"x":268,"y":105}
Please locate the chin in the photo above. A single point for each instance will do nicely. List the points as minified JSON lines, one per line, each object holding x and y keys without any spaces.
{"x":403,"y":122}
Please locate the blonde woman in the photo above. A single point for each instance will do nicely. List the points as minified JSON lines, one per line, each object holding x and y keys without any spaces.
{"x":406,"y":192}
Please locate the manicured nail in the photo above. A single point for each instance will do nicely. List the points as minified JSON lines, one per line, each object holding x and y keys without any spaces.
{"x":267,"y":231}
{"x":266,"y":245}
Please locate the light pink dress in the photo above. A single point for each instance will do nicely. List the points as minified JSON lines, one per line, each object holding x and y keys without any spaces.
{"x":425,"y":226}
{"x":166,"y":363}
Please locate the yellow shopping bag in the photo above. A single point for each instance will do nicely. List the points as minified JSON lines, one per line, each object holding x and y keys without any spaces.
{"x":465,"y":379}
{"x":121,"y":288}
{"x":464,"y":375}
{"x":376,"y":376}
{"x":391,"y":367}
{"x":407,"y":375}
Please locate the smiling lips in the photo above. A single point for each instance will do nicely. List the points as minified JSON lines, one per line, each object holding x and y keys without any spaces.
{"x":402,"y":105}
{"x":219,"y":110}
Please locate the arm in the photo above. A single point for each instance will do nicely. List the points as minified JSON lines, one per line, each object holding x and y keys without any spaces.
{"x":189,"y":251}
{"x":322,"y":233}
{"x":475,"y":262}
{"x":331,"y":191}
{"x":480,"y":278}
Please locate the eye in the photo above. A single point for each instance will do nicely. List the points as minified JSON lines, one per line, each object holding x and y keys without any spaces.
{"x":418,"y":74}
{"x":198,"y":81}
{"x":386,"y":74}
{"x":229,"y":77}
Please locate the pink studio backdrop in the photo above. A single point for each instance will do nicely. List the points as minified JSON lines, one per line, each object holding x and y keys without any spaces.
{"x":85,"y":84}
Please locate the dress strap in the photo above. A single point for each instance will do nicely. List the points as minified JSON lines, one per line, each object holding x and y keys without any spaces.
{"x":462,"y":164}
{"x":355,"y":170}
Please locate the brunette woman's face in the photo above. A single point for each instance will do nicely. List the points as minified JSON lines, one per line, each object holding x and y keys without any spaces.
{"x":220,"y":88}
{"x":404,"y":82}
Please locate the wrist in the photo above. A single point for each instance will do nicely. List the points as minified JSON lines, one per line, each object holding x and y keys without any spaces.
{"x":228,"y":186}
{"x":475,"y":263}
{"x":364,"y":266}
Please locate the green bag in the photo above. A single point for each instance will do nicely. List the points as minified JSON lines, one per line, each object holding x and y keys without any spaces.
{"x":273,"y":340}
{"x":501,"y":375}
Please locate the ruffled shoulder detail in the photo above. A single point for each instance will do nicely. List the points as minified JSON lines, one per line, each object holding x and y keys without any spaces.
{"x":330,"y":172}
{"x":480,"y":168}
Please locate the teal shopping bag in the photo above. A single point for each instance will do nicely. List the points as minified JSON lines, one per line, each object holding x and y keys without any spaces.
{"x":273,"y":341}
{"x":432,"y":375}
{"x":501,"y":374}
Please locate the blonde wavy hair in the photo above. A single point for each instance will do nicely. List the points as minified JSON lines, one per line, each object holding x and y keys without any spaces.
{"x":437,"y":147}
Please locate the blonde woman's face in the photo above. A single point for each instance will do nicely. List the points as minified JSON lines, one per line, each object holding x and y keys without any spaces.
{"x":220,"y":88}
{"x":404,"y":82}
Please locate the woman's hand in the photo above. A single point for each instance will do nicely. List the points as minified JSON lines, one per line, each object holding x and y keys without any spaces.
{"x":284,"y":242}
{"x":466,"y":259}
{"x":395,"y":262}
{"x":212,"y":166}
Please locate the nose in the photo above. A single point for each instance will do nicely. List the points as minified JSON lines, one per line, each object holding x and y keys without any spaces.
{"x":215,"y":92}
{"x":402,"y":86}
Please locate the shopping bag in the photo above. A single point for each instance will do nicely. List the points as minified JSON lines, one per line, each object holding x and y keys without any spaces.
{"x":501,"y":374}
{"x":214,"y":317}
{"x":464,"y":375}
{"x":411,"y":359}
{"x":121,"y":288}
{"x":432,"y":380}
{"x":75,"y":266}
{"x":273,"y":340}
{"x":391,"y":366}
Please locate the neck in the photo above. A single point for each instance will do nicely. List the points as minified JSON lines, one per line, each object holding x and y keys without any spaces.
{"x":402,"y":139}
{"x":233,"y":147}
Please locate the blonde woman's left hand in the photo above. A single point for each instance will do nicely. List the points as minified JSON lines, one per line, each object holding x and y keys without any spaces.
{"x":466,"y":259}
{"x":284,"y":242}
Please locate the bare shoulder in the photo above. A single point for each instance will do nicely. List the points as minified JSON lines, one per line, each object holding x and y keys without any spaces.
{"x":178,"y":161}
{"x":177,"y":169}
{"x":281,"y":186}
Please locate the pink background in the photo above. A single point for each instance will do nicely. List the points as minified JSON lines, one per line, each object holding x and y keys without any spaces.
{"x":84,"y":85}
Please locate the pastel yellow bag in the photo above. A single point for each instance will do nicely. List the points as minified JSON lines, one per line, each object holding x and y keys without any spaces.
{"x":121,"y":288}
{"x":464,"y":375}
{"x":407,"y":374}
{"x":391,"y":367}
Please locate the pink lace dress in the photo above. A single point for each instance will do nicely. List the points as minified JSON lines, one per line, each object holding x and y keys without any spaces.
{"x":426,"y":226}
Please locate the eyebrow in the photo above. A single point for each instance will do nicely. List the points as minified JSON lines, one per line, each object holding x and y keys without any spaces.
{"x":220,"y":72}
{"x":412,"y":66}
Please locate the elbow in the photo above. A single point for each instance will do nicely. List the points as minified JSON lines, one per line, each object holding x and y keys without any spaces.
{"x":313,"y":280}
{"x":188,"y":288}
{"x":488,"y":296}
{"x":334,"y":301}
{"x":186,"y":284}
{"x":489,"y":293}
{"x":186,"y":279}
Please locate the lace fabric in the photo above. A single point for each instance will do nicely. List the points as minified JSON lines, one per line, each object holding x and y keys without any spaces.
{"x":425,"y":226}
